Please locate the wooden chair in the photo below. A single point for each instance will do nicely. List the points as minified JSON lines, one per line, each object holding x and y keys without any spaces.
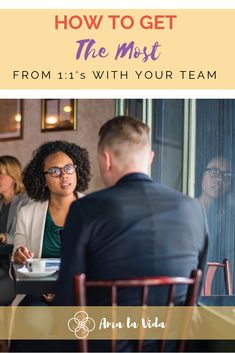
{"x":80,"y":285}
{"x":211,"y":269}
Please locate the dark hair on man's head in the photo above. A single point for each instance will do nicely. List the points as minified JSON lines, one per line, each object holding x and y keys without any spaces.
{"x":123,"y":129}
{"x":33,"y":177}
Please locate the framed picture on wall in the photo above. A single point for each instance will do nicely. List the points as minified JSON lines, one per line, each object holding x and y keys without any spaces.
{"x":11,"y":119}
{"x":59,"y":114}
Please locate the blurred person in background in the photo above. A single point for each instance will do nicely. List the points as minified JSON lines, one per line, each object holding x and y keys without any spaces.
{"x":12,"y":198}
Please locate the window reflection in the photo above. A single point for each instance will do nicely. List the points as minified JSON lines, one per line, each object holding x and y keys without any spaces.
{"x":214,"y":178}
{"x":216,"y":181}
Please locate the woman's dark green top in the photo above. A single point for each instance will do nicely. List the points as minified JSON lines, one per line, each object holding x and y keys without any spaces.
{"x":52,"y":238}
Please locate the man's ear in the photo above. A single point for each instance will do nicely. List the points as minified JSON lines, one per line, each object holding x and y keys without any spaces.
{"x":107,"y":158}
{"x":151,"y":156}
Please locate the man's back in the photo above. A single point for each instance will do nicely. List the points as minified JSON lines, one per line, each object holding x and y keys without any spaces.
{"x":136,"y":228}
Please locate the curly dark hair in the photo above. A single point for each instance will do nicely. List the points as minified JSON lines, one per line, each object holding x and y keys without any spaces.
{"x":33,"y":177}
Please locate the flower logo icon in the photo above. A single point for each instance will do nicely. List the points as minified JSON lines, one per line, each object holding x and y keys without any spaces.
{"x":81,"y":324}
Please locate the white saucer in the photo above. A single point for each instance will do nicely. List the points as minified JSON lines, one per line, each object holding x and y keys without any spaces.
{"x":24,"y":271}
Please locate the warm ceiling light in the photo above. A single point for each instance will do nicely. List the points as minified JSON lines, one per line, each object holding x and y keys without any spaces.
{"x":18,"y":118}
{"x":67,"y":109}
{"x":51,"y":120}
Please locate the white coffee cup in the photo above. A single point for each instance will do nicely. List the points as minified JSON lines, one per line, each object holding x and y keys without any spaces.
{"x":36,"y":265}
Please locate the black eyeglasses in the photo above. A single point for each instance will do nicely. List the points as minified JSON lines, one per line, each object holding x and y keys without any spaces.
{"x":55,"y":172}
{"x":216,"y":173}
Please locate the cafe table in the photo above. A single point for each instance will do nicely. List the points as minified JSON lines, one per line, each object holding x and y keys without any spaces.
{"x":29,"y":284}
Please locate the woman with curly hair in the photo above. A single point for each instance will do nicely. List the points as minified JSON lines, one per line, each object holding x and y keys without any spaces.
{"x":54,"y":178}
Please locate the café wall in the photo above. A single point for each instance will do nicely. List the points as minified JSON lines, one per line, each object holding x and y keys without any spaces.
{"x":92,"y":113}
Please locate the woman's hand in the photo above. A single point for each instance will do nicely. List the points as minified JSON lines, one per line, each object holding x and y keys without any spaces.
{"x":3,"y":238}
{"x":22,"y":254}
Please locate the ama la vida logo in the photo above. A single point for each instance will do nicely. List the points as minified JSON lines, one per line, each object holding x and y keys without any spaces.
{"x":81,"y":324}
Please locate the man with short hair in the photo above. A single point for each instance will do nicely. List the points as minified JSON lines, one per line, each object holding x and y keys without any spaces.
{"x":133,"y":228}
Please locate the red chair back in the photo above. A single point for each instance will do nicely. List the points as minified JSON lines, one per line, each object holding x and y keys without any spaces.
{"x":211,"y":269}
{"x":193,"y":282}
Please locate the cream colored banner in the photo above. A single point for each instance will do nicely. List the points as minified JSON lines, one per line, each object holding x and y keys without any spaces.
{"x":116,"y":49}
{"x":122,"y":322}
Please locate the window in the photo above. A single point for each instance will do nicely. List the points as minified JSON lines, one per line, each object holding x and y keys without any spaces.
{"x":214,"y":176}
{"x":167,"y":137}
{"x":167,"y":140}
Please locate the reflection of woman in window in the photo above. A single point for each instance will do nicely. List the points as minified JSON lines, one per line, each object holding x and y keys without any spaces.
{"x":215,"y":181}
{"x":215,"y":193}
